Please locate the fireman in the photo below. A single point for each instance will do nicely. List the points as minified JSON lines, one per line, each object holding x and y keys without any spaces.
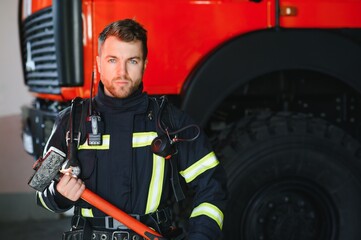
{"x":116,"y":157}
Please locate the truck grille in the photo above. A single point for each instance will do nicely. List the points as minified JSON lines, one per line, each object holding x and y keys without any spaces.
{"x":39,"y":55}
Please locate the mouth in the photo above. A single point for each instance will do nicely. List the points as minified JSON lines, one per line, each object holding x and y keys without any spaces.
{"x":121,"y":82}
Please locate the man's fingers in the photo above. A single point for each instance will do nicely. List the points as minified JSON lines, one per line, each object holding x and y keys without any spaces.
{"x":70,"y":187}
{"x":76,"y":187}
{"x":64,"y":180}
{"x":67,"y":171}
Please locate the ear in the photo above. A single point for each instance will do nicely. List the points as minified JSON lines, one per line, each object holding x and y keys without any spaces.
{"x":145,"y":64}
{"x":98,"y":63}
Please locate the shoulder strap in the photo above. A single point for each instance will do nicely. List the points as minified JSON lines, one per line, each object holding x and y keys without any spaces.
{"x":169,"y":121}
{"x":74,"y":134}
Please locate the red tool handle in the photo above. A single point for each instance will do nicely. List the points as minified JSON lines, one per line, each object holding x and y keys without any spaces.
{"x":119,"y":215}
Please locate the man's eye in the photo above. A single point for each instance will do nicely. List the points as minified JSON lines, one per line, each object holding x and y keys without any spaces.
{"x":133,"y":61}
{"x":111,"y":60}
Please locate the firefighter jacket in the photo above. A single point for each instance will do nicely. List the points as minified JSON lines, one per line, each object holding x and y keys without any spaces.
{"x":125,"y":172}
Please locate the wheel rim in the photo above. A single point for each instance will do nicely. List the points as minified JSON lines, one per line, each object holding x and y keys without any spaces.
{"x":290,"y":209}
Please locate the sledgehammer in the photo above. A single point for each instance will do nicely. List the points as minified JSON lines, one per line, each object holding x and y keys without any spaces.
{"x":47,"y":169}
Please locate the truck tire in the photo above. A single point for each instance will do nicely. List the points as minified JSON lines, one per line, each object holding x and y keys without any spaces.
{"x":290,"y":177}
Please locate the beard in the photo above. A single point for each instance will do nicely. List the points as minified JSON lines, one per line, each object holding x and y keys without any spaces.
{"x":123,"y":91}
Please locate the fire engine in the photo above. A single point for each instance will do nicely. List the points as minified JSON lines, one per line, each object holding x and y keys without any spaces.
{"x":276,"y":84}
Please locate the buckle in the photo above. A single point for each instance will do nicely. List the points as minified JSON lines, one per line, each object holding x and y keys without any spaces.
{"x":75,"y":221}
{"x":111,"y":223}
{"x":120,"y":235}
{"x":161,"y":216}
{"x":67,"y":138}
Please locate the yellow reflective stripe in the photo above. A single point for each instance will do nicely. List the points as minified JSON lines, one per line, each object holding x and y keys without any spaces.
{"x":42,"y":201}
{"x":156,"y":184}
{"x":142,"y":139}
{"x":207,"y":162}
{"x":87,"y":212}
{"x":104,"y":146}
{"x":209,"y":210}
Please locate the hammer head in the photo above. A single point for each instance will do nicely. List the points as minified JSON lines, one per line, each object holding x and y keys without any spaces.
{"x":46,"y":169}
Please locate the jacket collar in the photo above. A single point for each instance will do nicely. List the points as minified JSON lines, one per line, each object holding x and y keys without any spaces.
{"x":137,"y":102}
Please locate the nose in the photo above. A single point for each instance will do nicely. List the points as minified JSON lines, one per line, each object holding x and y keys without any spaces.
{"x":122,"y":69}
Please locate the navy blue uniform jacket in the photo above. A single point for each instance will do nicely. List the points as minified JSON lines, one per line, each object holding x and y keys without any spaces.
{"x":125,"y":172}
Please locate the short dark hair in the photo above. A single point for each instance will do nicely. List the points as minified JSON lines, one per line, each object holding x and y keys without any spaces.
{"x":126,"y":30}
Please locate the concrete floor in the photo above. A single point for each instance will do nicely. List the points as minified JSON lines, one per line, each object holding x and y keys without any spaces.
{"x":34,"y":229}
{"x":20,"y":217}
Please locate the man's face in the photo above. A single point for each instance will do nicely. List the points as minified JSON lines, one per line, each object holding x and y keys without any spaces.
{"x":121,"y":66}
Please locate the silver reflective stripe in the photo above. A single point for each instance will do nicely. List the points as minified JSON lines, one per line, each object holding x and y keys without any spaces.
{"x":104,"y":146}
{"x":142,"y":139}
{"x":209,"y":210}
{"x":207,"y":162}
{"x":156,"y":184}
{"x":40,"y":196}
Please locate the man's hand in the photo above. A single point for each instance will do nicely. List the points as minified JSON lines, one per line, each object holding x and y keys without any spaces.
{"x":70,"y":187}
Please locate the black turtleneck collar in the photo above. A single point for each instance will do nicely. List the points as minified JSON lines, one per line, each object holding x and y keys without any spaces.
{"x":137,"y":102}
